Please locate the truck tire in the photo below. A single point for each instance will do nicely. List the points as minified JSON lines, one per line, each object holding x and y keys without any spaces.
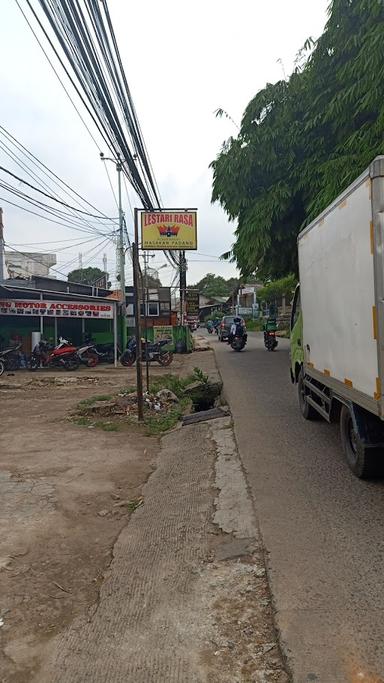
{"x":365,"y":463}
{"x":307,"y":411}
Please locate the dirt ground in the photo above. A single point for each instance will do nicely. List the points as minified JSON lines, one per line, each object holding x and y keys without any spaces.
{"x":68,"y":564}
{"x":66,"y":491}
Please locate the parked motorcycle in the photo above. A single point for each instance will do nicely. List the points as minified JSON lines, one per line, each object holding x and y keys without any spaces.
{"x":10,"y":359}
{"x":155,"y":351}
{"x":270,"y":341}
{"x":105,"y":352}
{"x":64,"y":355}
{"x":238,"y":342}
{"x":87,"y":355}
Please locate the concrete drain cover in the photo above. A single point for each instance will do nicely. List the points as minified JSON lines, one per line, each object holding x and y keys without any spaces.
{"x":204,"y":415}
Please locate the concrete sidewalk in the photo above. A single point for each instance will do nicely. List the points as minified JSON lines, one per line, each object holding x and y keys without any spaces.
{"x":186,"y":597}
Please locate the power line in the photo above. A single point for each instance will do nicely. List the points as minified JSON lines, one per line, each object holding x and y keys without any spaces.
{"x":35,"y":213}
{"x":43,"y":168}
{"x":59,"y":201}
{"x":50,"y":210}
{"x":40,"y":182}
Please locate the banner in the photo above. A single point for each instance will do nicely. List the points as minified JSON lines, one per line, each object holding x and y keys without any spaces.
{"x":169,"y":230}
{"x":192,"y":301}
{"x":55,"y":309}
{"x":161,"y":332}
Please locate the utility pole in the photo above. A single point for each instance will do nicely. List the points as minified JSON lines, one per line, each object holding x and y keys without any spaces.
{"x":1,"y":246}
{"x":121,"y":257}
{"x":105,"y":266}
{"x":136,"y":287}
{"x":120,"y":249}
{"x":80,"y":260}
{"x":183,"y":284}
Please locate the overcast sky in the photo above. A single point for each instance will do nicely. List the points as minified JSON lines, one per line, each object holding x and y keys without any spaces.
{"x":183,"y":61}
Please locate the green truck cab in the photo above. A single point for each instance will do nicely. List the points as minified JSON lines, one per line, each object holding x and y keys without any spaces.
{"x":296,"y":339}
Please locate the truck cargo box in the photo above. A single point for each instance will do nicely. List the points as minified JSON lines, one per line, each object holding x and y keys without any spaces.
{"x":341,"y":266}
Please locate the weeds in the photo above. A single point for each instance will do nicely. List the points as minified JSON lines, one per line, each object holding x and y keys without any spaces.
{"x":84,"y":421}
{"x":87,"y":402}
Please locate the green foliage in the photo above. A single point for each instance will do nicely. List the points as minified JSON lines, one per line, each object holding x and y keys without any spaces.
{"x":277,"y":288}
{"x":214,"y":285}
{"x":87,"y":276}
{"x":200,"y":376}
{"x":302,"y":141}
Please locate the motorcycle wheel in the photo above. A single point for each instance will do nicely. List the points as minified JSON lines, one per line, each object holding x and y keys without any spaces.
{"x":2,"y":367}
{"x":165,"y":358}
{"x":71,"y":363}
{"x":127,"y":359}
{"x":92,"y":361}
{"x":34,"y":364}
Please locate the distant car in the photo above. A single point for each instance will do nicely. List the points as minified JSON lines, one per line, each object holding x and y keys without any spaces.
{"x":225,"y":326}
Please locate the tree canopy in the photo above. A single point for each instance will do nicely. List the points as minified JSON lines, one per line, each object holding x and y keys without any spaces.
{"x":87,"y":276}
{"x":278,"y":288}
{"x":302,"y":141}
{"x":214,"y":285}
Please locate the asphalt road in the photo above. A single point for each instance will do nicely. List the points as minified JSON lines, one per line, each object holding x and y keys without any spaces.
{"x":323,"y":529}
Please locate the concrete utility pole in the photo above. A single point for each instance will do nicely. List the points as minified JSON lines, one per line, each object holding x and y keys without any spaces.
{"x":1,"y":246}
{"x":120,"y":249}
{"x":121,"y":257}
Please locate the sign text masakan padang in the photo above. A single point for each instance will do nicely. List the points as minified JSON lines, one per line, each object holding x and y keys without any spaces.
{"x":169,"y":229}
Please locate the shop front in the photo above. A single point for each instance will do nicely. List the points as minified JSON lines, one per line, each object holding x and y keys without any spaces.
{"x":24,"y":311}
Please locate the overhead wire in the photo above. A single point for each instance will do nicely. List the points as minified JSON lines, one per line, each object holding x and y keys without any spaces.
{"x":49,"y":196}
{"x":88,"y":43}
{"x":50,"y":210}
{"x":31,"y":173}
{"x":53,"y":177}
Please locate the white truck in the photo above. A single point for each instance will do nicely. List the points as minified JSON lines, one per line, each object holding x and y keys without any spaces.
{"x":337,"y":323}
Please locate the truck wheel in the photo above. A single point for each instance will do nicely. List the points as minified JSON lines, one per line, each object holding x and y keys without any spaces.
{"x":364,"y":462}
{"x":307,"y":411}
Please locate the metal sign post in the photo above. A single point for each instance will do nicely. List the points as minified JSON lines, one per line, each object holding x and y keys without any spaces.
{"x":136,"y":285}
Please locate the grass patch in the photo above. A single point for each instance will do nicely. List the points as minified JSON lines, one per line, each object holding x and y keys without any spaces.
{"x":162,"y":422}
{"x":255,"y":325}
{"x":87,"y":402}
{"x":107,"y":426}
{"x":82,"y":421}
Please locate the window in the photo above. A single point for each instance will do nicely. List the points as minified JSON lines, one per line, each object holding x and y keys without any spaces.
{"x":152,"y":309}
{"x":165,"y":306}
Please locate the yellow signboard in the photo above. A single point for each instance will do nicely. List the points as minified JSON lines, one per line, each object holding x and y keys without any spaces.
{"x":169,"y":229}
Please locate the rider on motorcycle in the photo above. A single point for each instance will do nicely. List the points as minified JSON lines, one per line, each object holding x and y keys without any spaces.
{"x":237,"y":330}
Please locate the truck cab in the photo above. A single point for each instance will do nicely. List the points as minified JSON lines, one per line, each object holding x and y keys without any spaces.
{"x":296,"y":337}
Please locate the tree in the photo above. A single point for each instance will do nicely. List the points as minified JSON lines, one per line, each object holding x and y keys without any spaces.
{"x":87,"y":276}
{"x":302,"y":141}
{"x":276,"y":289}
{"x":214,"y":285}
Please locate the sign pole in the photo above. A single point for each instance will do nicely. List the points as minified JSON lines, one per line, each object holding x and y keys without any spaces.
{"x":136,"y":285}
{"x":146,"y":308}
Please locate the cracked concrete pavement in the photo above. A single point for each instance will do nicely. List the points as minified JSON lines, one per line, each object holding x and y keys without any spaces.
{"x":186,"y":597}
